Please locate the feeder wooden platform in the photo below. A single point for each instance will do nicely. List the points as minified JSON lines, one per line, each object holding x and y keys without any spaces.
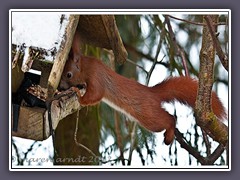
{"x":33,"y":121}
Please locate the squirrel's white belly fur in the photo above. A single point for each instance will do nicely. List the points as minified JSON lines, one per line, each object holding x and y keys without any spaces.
{"x":114,"y":106}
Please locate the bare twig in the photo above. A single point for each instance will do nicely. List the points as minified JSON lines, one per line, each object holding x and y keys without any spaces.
{"x":216,"y":154}
{"x":133,"y":137}
{"x":110,"y":53}
{"x":119,"y":137}
{"x":132,"y":62}
{"x":184,"y":20}
{"x":141,"y":54}
{"x":182,"y":141}
{"x":17,"y":153}
{"x":223,"y":58}
{"x":26,"y":153}
{"x":155,"y":61}
{"x":76,"y":141}
{"x":180,"y":51}
{"x":209,"y":160}
{"x":206,"y":140}
{"x":89,"y":150}
{"x":192,"y":22}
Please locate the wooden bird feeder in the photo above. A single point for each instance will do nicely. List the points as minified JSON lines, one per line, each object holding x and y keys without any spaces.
{"x":98,"y":30}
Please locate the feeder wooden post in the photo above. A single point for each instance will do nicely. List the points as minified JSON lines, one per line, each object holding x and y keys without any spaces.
{"x":62,"y":55}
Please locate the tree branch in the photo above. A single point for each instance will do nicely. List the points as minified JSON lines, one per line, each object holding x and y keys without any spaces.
{"x":192,"y":22}
{"x":132,"y":62}
{"x":76,"y":141}
{"x":204,"y":116}
{"x":207,"y":143}
{"x":182,"y":141}
{"x":223,"y":58}
{"x":209,"y":160}
{"x":17,"y":153}
{"x":132,"y":143}
{"x":216,"y":154}
{"x":155,"y":61}
{"x":119,"y":137}
{"x":179,"y":50}
{"x":143,"y":55}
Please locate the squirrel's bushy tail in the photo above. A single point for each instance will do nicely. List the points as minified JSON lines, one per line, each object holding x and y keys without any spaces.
{"x":184,"y":90}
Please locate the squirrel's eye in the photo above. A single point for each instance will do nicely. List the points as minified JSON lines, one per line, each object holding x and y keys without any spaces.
{"x":69,"y":75}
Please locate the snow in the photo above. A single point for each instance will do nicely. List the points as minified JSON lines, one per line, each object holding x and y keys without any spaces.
{"x":36,"y":29}
{"x":39,"y":29}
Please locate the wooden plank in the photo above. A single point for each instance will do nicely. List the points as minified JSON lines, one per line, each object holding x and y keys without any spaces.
{"x":33,"y":121}
{"x":30,"y":124}
{"x":102,"y":31}
{"x":17,"y":53}
{"x":36,"y":53}
{"x":114,"y":37}
{"x":45,"y":68}
{"x":62,"y":55}
{"x":42,"y":65}
{"x":39,"y":63}
{"x":38,"y":56}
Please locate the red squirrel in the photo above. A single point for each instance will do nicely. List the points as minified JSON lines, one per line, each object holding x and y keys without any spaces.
{"x":96,"y":82}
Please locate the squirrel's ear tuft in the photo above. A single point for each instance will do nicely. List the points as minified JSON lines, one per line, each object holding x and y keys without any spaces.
{"x":75,"y":57}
